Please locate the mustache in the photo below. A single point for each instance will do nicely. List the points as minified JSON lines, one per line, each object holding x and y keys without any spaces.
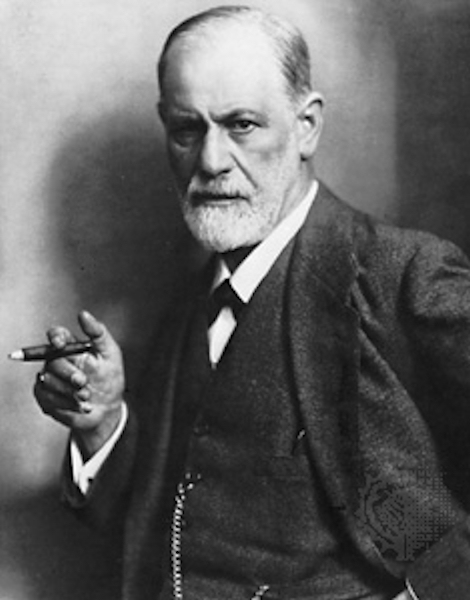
{"x":199,"y":193}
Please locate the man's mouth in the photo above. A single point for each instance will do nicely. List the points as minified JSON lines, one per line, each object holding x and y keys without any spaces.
{"x":201,"y":197}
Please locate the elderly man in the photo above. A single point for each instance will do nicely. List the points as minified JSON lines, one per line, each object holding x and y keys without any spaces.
{"x":302,"y":429}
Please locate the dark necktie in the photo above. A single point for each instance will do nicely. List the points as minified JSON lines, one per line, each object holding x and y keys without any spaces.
{"x":223,"y":296}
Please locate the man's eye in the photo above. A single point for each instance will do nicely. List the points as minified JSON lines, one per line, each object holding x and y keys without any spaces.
{"x":241,"y":126}
{"x":185,"y":135}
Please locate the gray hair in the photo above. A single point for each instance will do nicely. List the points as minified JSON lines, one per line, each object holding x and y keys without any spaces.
{"x":289,"y":44}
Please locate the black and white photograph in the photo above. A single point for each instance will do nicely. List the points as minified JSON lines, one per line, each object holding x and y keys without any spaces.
{"x":235,"y":300}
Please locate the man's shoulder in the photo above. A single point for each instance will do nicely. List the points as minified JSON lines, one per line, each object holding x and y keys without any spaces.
{"x":376,"y":240}
{"x":352,"y":251}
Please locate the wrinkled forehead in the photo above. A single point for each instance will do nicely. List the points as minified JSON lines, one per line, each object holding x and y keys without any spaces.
{"x":232,"y":54}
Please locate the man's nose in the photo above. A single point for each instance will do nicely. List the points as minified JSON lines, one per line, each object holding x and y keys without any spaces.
{"x":215,"y":157}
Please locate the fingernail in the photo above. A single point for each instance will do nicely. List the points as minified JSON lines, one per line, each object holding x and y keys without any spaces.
{"x":78,"y":380}
{"x":83,"y":395}
{"x":85,"y":407}
{"x":58,"y":341}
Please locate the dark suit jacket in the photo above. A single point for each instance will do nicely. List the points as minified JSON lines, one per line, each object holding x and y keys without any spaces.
{"x":379,"y":345}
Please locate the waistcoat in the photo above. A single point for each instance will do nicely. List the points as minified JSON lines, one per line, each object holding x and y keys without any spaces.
{"x":256,"y":521}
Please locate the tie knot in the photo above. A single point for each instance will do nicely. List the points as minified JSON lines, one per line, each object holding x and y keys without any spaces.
{"x":224,"y":296}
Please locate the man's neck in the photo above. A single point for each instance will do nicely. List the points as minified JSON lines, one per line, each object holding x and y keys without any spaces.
{"x":234,"y":257}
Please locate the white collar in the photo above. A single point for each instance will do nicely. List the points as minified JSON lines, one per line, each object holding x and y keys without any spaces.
{"x":254,"y":268}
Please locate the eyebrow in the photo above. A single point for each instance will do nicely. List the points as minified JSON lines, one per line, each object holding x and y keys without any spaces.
{"x":236,"y":112}
{"x":183,"y":114}
{"x":177,"y":113}
{"x":250,"y":114}
{"x":180,"y":118}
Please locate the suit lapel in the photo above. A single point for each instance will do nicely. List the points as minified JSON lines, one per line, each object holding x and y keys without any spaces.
{"x":323,"y":337}
{"x":324,"y":350}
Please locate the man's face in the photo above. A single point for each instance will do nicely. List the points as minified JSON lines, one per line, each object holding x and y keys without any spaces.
{"x":232,"y":136}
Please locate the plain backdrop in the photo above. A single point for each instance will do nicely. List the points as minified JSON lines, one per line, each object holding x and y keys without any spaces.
{"x":88,"y":217}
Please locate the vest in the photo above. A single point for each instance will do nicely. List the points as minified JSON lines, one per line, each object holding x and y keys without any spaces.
{"x":256,"y":521}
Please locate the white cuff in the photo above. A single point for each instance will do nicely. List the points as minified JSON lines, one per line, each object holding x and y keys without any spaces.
{"x":83,"y":473}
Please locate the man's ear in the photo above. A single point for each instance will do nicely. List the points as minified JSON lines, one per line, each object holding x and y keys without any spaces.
{"x":310,"y":121}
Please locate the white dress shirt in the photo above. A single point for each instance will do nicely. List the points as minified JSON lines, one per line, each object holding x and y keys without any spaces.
{"x":251,"y":272}
{"x":244,"y":280}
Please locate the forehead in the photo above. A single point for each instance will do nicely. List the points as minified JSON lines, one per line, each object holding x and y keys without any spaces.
{"x":234,"y":63}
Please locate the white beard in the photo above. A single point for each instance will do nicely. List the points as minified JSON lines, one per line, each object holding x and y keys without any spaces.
{"x":225,"y":227}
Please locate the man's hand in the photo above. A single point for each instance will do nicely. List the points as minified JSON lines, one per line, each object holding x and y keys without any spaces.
{"x":85,"y":391}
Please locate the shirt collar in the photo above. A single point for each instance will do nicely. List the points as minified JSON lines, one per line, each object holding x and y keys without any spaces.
{"x":251,"y":272}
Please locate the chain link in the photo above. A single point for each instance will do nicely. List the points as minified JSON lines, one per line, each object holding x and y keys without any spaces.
{"x":176,"y":535}
{"x":176,"y":530}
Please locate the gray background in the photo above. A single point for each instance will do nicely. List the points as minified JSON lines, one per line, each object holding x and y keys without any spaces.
{"x":88,"y":217}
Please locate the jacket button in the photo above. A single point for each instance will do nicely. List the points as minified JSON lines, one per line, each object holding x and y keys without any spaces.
{"x":191,"y":479}
{"x":201,"y":429}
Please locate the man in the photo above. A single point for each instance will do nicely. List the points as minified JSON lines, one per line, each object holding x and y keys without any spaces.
{"x":309,"y":439}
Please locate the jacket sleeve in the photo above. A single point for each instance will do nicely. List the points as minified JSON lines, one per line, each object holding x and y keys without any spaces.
{"x":137,"y":461}
{"x":105,"y":504}
{"x":438,"y":312}
{"x":443,"y":572}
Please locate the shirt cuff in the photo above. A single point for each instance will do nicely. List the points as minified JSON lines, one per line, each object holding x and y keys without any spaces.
{"x":83,"y":473}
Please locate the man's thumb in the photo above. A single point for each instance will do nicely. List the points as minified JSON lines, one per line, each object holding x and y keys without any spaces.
{"x":96,"y":331}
